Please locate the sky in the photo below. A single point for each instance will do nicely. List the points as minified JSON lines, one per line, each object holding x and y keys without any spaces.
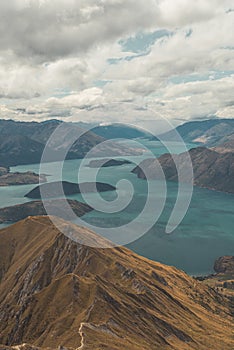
{"x":116,"y":60}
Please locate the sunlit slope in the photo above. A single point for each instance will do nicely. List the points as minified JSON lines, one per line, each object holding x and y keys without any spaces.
{"x":54,"y":291}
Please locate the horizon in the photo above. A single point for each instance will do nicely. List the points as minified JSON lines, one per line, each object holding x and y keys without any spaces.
{"x":155,"y":127}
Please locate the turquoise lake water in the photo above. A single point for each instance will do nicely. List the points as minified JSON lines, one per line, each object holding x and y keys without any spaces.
{"x":205,"y":233}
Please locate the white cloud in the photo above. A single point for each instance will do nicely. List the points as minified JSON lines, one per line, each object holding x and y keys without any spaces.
{"x":53,"y":29}
{"x":182,"y":101}
{"x":182,"y":12}
{"x":55,"y":55}
{"x":196,"y":99}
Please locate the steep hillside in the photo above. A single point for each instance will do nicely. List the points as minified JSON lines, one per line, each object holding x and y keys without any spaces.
{"x":212,"y":170}
{"x":227,"y":146}
{"x":24,"y":142}
{"x":56,"y":292}
{"x":223,"y":278}
{"x":224,"y":264}
{"x":19,"y":149}
{"x":212,"y":132}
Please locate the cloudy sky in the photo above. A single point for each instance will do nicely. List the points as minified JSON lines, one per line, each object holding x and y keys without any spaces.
{"x":69,"y":58}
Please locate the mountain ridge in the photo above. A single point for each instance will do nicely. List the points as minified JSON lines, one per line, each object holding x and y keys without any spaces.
{"x":208,"y":132}
{"x":24,"y":142}
{"x":212,"y":170}
{"x":57,"y":292}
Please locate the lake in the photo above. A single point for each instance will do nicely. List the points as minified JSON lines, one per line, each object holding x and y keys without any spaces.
{"x":205,"y":233}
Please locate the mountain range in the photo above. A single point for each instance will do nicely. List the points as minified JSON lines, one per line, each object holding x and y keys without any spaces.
{"x":55,"y":292}
{"x":211,"y":169}
{"x":211,"y":132}
{"x":24,"y":142}
{"x":113,"y":131}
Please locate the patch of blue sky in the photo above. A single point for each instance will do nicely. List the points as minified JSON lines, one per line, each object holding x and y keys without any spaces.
{"x":139,"y":45}
{"x":212,"y":75}
{"x":5,"y":100}
{"x":228,"y":47}
{"x":127,"y":58}
{"x":101,"y":83}
{"x":189,"y":33}
{"x":230,"y":10}
{"x":142,"y":42}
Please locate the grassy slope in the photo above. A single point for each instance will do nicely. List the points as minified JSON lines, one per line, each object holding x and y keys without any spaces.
{"x":54,"y":291}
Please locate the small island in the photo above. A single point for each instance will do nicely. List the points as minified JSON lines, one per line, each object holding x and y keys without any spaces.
{"x":12,"y":179}
{"x":36,"y":208}
{"x":105,"y":163}
{"x":61,"y":188}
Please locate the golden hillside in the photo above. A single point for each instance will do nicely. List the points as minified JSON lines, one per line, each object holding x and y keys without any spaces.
{"x":56,"y":292}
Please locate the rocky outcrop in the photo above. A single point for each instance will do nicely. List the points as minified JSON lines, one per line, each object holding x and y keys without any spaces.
{"x":57,"y":292}
{"x":223,"y":278}
{"x":3,"y":171}
{"x":27,"y":178}
{"x":59,"y":189}
{"x":225,"y":147}
{"x":36,"y":208}
{"x":224,"y":264}
{"x":211,"y":169}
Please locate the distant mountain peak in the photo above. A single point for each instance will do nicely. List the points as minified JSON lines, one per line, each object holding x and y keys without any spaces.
{"x":210,"y":132}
